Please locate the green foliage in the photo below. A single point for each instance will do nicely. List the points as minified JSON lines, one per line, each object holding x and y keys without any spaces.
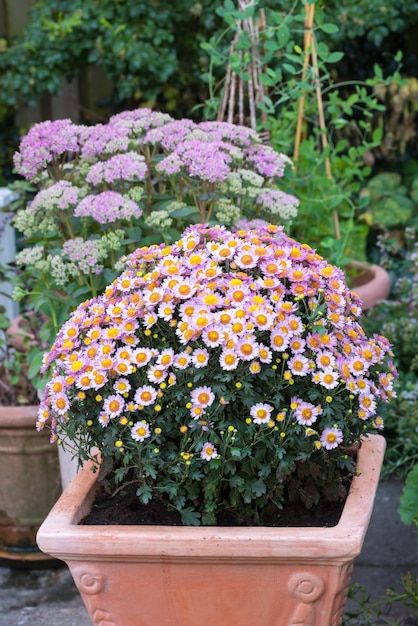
{"x":397,"y":319}
{"x":17,"y":352}
{"x":339,"y":134}
{"x":9,"y":138}
{"x":408,"y":509}
{"x":389,"y":202}
{"x":150,"y":50}
{"x":365,"y":611}
{"x":371,"y":18}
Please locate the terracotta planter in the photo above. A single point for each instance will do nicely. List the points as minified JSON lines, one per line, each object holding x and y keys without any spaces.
{"x":29,"y":483}
{"x":172,"y":576}
{"x":371,"y":284}
{"x":19,"y":334}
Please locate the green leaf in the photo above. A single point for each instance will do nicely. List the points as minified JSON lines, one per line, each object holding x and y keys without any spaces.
{"x":334,"y":57}
{"x":330,"y":29}
{"x":190,"y":517}
{"x":144,"y":493}
{"x":283,"y":34}
{"x":185,"y":211}
{"x":408,"y":508}
{"x":258,"y":487}
{"x":35,"y":365}
{"x":289,"y":68}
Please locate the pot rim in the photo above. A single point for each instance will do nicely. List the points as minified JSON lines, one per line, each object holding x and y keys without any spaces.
{"x":61,"y":536}
{"x":19,"y":416}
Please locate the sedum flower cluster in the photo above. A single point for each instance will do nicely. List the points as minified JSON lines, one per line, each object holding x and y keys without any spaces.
{"x":142,"y":177}
{"x":226,"y":373}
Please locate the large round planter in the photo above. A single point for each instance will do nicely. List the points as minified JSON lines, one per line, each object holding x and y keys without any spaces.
{"x":29,"y":483}
{"x":371,"y":283}
{"x":180,"y":576}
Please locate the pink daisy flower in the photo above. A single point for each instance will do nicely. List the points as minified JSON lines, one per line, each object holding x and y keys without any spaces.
{"x":261,"y":413}
{"x":200,"y":358}
{"x":145,"y":395}
{"x":265,"y":354}
{"x":141,"y":356}
{"x":357,"y":365}
{"x":228,"y":360}
{"x":156,"y":374}
{"x":325,"y":359}
{"x":182,"y":360}
{"x":307,"y":413}
{"x":140,"y":431}
{"x":331,"y":438}
{"x":213,"y":336}
{"x":202,"y":396}
{"x":60,"y":403}
{"x":247,"y":348}
{"x":297,"y":344}
{"x":208,"y":452}
{"x":299,"y":365}
{"x":114,"y":405}
{"x":367,"y":403}
{"x":279,"y":340}
{"x":166,"y":358}
{"x":328,"y":378}
{"x":104,"y":419}
{"x":122,"y":385}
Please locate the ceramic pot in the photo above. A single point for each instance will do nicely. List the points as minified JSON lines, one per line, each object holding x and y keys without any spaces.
{"x":371,"y":284}
{"x":29,"y":483}
{"x":179,"y":576}
{"x":19,"y":334}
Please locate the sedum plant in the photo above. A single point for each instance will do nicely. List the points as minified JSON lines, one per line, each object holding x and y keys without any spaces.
{"x":142,"y":177}
{"x":223,"y":374}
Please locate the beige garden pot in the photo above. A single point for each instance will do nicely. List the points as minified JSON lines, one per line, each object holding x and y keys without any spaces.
{"x":224,"y":576}
{"x":29,"y":483}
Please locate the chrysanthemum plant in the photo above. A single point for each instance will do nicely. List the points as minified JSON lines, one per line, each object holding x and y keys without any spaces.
{"x":139,"y":179}
{"x":226,"y":374}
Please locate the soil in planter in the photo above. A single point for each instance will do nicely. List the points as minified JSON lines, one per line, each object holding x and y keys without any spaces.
{"x":125,"y":508}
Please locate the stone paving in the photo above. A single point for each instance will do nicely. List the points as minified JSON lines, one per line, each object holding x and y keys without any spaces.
{"x":48,"y":597}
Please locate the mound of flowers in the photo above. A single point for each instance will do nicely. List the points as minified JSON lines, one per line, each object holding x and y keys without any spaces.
{"x":225,"y":372}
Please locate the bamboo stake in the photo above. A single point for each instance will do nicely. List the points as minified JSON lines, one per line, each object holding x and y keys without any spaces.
{"x":232,"y":99}
{"x":262,"y":27}
{"x":237,"y":92}
{"x":324,"y":136}
{"x":308,"y":38}
{"x":241,"y":97}
{"x":321,"y":116}
{"x":311,"y":51}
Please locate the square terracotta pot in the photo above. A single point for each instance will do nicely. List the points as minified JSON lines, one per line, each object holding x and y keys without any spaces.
{"x":224,"y":576}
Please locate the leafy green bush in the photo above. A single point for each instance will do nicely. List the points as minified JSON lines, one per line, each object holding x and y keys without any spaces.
{"x":150,"y":50}
{"x":372,"y":18}
{"x":408,"y":509}
{"x":390,"y":202}
{"x":328,"y":175}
